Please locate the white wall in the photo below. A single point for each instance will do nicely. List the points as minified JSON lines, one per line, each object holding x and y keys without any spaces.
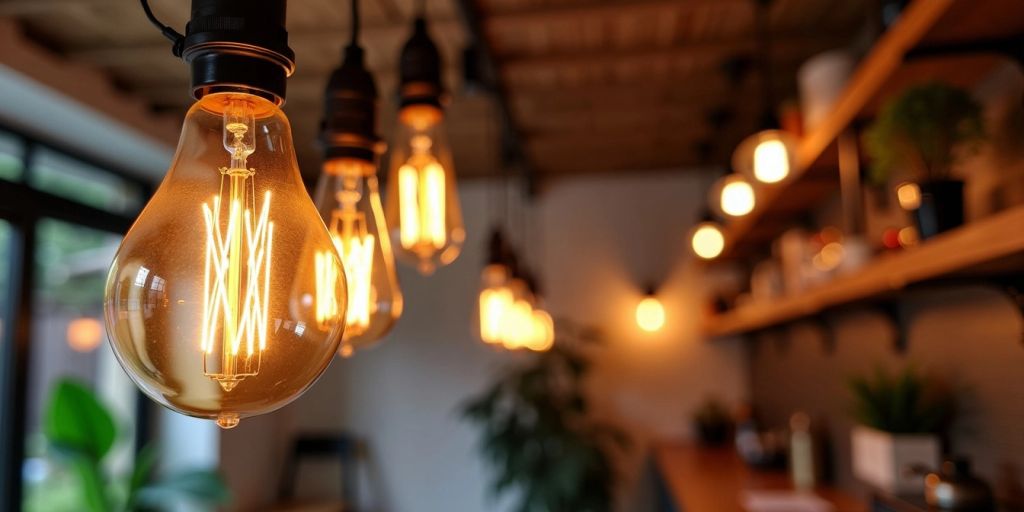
{"x":602,"y":240}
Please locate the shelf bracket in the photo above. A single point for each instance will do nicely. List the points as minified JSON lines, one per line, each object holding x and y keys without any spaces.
{"x":1011,"y":47}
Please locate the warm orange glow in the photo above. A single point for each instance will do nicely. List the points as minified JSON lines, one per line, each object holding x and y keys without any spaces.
{"x":650,"y":314}
{"x":543,"y":331}
{"x":494,"y":303}
{"x":421,"y":185}
{"x":84,"y":334}
{"x":733,"y":196}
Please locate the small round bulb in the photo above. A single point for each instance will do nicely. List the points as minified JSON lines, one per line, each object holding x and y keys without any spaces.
{"x":650,"y":314}
{"x":766,"y":156}
{"x":707,"y":240}
{"x":732,"y":196}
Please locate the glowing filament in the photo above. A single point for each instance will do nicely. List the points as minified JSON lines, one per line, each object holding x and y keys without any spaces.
{"x":494,"y":303}
{"x":421,"y":191}
{"x":327,"y":274}
{"x":236,"y":283}
{"x":355,"y":246}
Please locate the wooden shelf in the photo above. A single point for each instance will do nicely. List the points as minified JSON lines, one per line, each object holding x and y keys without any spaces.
{"x":881,"y":73}
{"x":983,"y":246}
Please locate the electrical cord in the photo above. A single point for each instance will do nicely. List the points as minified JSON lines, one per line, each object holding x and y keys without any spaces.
{"x":177,"y":40}
{"x":355,"y":23}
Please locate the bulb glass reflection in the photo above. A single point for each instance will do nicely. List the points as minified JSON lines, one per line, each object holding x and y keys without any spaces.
{"x":495,"y":299}
{"x":349,"y":202}
{"x":707,"y":240}
{"x":732,"y":196}
{"x":766,"y":157}
{"x":214,"y":302}
{"x":423,"y":211}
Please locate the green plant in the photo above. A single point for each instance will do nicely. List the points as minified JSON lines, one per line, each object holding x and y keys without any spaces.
{"x":81,"y":432}
{"x":919,"y":129}
{"x":904,"y":403}
{"x":539,"y":440}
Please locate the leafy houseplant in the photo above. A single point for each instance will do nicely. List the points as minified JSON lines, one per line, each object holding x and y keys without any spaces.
{"x":924,"y":131}
{"x":80,"y":432}
{"x":538,"y":438}
{"x":900,"y":419}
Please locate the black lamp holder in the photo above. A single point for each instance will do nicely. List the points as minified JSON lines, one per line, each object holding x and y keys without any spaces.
{"x":349,"y":128}
{"x":420,"y":68}
{"x":234,"y":45}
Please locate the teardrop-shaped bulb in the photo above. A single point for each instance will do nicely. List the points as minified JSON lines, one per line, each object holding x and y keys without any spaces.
{"x":206,"y":308}
{"x":350,"y":205}
{"x":422,"y":208}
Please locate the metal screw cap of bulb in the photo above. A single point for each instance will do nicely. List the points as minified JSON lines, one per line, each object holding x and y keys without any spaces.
{"x":238,"y":45}
{"x":420,"y":69}
{"x":349,"y":127}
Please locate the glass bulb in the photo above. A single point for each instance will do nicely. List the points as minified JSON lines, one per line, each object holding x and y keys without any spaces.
{"x":766,"y":156}
{"x":543,"y":331}
{"x":422,"y":207}
{"x":650,"y":314}
{"x":707,"y":240}
{"x":517,"y":322}
{"x":909,"y":195}
{"x":732,"y":196}
{"x":350,"y":205}
{"x":495,"y":300}
{"x":209,"y":305}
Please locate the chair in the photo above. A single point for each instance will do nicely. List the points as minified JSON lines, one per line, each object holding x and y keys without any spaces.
{"x":343,"y":448}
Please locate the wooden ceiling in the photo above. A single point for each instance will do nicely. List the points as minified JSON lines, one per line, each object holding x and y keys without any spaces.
{"x":590,"y":85}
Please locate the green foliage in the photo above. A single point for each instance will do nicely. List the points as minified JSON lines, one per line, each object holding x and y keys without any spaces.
{"x":904,"y":403}
{"x":539,"y":440}
{"x":82,"y":431}
{"x":920,"y":129}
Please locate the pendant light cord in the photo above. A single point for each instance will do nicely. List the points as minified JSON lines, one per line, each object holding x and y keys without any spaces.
{"x":421,"y":8}
{"x":355,"y":23}
{"x":177,"y":40}
{"x":764,"y":34}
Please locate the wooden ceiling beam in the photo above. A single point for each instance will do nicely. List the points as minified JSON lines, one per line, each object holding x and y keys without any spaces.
{"x":785,"y":47}
{"x":515,"y":18}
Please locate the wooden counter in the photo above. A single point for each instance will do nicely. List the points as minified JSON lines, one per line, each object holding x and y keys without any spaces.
{"x":713,"y":480}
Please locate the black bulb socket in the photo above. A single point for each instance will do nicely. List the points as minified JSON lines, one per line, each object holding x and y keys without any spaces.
{"x":239,"y":45}
{"x":420,"y":69}
{"x":349,"y":128}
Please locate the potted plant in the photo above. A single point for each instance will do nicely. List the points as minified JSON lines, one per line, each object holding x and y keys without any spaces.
{"x":80,"y":433}
{"x":538,"y":438}
{"x":900,"y":417}
{"x":712,"y":423}
{"x":924,"y":132}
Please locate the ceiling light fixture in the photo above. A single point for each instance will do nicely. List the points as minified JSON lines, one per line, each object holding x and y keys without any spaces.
{"x":349,"y":202}
{"x":217,"y":303}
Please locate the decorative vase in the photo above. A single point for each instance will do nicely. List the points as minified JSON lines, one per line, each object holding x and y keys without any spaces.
{"x":941,"y":209}
{"x":888,"y":461}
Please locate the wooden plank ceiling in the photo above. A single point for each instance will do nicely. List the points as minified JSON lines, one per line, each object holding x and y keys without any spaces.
{"x":592,"y":86}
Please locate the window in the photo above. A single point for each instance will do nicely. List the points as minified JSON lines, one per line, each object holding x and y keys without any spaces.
{"x":63,"y":176}
{"x":11,"y":153}
{"x":69,"y":342}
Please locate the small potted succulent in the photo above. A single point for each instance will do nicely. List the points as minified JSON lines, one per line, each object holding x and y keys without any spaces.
{"x":712,"y":423}
{"x":900,"y":419}
{"x":924,"y":132}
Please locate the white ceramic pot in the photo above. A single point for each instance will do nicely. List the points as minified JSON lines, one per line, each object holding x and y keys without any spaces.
{"x":885,"y":460}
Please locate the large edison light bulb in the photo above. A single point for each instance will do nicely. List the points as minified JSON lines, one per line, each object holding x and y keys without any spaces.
{"x":206,"y":308}
{"x":423,"y":209}
{"x":349,"y":202}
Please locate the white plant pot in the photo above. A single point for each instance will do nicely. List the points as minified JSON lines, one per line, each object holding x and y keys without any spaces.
{"x":884,"y":460}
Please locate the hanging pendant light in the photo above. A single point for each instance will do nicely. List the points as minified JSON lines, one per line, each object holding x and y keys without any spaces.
{"x":349,"y":201}
{"x":495,"y":296}
{"x":423,"y":210}
{"x":214,"y":297}
{"x":768,"y":155}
